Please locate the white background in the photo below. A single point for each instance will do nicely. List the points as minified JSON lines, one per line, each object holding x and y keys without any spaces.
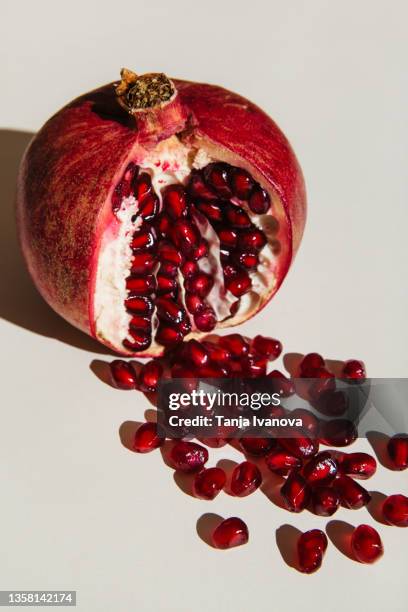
{"x":81,"y":512}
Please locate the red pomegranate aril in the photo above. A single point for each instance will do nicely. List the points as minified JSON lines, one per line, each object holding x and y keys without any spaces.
{"x":168,"y":269}
{"x":129,"y":178}
{"x":247,"y":260}
{"x":139,"y":340}
{"x":238,"y":284}
{"x":358,"y":465}
{"x":334,"y":403}
{"x":149,"y":207}
{"x":198,"y":189}
{"x":254,"y":366}
{"x":231,"y":532}
{"x":354,"y":370}
{"x":268,"y":347}
{"x":322,"y":469}
{"x":236,"y":216}
{"x":310,"y":422}
{"x":123,"y":375}
{"x":143,"y":263}
{"x":295,"y":492}
{"x":311,"y":547}
{"x":175,"y":201}
{"x":194,"y":303}
{"x":200,"y":251}
{"x":281,"y":384}
{"x":163,"y":225}
{"x":167,"y":252}
{"x":145,"y":238}
{"x":366,"y":544}
{"x":395,"y":510}
{"x":216,"y":175}
{"x":184,"y":326}
{"x":281,"y":462}
{"x":200,"y":284}
{"x":166,"y":285}
{"x":209,"y":482}
{"x":352,"y":495}
{"x":205,"y":319}
{"x":168,"y":336}
{"x":301,"y":444}
{"x":337,"y":432}
{"x":241,"y":183}
{"x":257,"y":446}
{"x":252,"y":239}
{"x":235,"y":344}
{"x":140,"y":305}
{"x":169,"y":310}
{"x":149,"y":376}
{"x":142,"y":186}
{"x":324,"y":385}
{"x":185,"y":236}
{"x":147,"y":438}
{"x":188,"y":456}
{"x":194,"y":352}
{"x":259,"y":201}
{"x":138,"y":322}
{"x":398,"y":451}
{"x":325,"y":501}
{"x":212,"y":371}
{"x":141,"y":285}
{"x":211,"y":210}
{"x":245,"y":479}
{"x":217,"y":354}
{"x":189,"y":269}
{"x":228,"y":238}
{"x":310,"y":364}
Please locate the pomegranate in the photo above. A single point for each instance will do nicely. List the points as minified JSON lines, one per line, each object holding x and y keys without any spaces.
{"x":281,"y":462}
{"x":295,"y":492}
{"x":188,"y":456}
{"x":398,"y":451}
{"x":123,"y":375}
{"x":358,"y":465}
{"x":151,"y":210}
{"x":325,"y":501}
{"x":231,"y":532}
{"x":147,"y":438}
{"x":245,"y":479}
{"x":321,"y":469}
{"x":395,"y":510}
{"x":352,"y":495}
{"x":311,"y":548}
{"x":209,"y":482}
{"x":366,"y":544}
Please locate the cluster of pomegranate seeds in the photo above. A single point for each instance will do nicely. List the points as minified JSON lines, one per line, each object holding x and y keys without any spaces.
{"x":318,"y":480}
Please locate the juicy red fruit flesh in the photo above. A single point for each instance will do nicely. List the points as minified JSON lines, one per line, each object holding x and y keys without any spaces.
{"x":123,"y":375}
{"x":230,"y":533}
{"x":398,"y":451}
{"x":147,"y":438}
{"x":188,"y":456}
{"x":245,"y":479}
{"x":311,"y":548}
{"x":209,"y":482}
{"x":395,"y":510}
{"x":366,"y":544}
{"x":295,"y":493}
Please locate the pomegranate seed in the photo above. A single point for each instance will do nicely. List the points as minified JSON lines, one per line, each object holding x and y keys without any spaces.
{"x":189,"y":269}
{"x":139,"y":305}
{"x":168,"y":269}
{"x":231,"y":532}
{"x":366,"y":544}
{"x":268,"y":347}
{"x":217,"y":354}
{"x":194,"y":352}
{"x":241,"y":183}
{"x":211,"y":210}
{"x":398,"y":451}
{"x":199,"y":251}
{"x":238,"y":284}
{"x":228,"y":238}
{"x":185,"y":236}
{"x":129,"y":178}
{"x":237,"y":217}
{"x":205,"y":319}
{"x":257,"y":446}
{"x":395,"y":510}
{"x":147,"y":438}
{"x":145,"y":238}
{"x":142,"y":186}
{"x":168,"y":336}
{"x":310,"y":364}
{"x":166,"y":285}
{"x":281,"y":462}
{"x":212,"y":371}
{"x":352,"y":495}
{"x":333,"y":403}
{"x":337,"y":432}
{"x":301,"y":445}
{"x":325,"y":501}
{"x":167,"y":252}
{"x":354,"y":370}
{"x":175,"y":201}
{"x":149,"y":207}
{"x":198,"y":189}
{"x":188,"y":456}
{"x":123,"y":375}
{"x":281,"y":385}
{"x":139,"y":340}
{"x":295,"y":492}
{"x":310,"y":423}
{"x":141,"y":285}
{"x":254,"y":366}
{"x":245,"y":479}
{"x":138,"y":322}
{"x":201,"y":284}
{"x":149,"y":376}
{"x":253,"y":239}
{"x":163,"y":225}
{"x":208,"y":483}
{"x":311,"y":547}
{"x":326,"y":384}
{"x":194,"y":303}
{"x":358,"y":465}
{"x":235,"y":344}
{"x":322,"y":469}
{"x":248,"y":260}
{"x":184,"y":326}
{"x":169,"y":310}
{"x":259,"y":201}
{"x":143,"y":263}
{"x":217,"y":176}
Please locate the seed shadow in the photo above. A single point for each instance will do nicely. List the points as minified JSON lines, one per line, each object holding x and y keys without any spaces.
{"x":205,"y":527}
{"x":165,"y":451}
{"x":379,"y":442}
{"x":102,"y":371}
{"x":339,"y":533}
{"x":127,"y":432}
{"x":20,"y":303}
{"x":184,"y":482}
{"x":271,"y":487}
{"x":228,"y":466}
{"x":374,"y":507}
{"x":287,"y":537}
{"x":291,"y":363}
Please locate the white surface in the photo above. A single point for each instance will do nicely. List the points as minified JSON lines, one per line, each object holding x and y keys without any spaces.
{"x":81,"y":512}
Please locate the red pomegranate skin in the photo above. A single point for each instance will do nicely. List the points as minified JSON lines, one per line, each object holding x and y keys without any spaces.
{"x":72,"y":165}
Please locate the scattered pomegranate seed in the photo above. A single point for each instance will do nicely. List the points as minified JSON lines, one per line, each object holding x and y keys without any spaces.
{"x":257,"y":446}
{"x":149,"y":376}
{"x":354,"y":370}
{"x":209,"y":482}
{"x":147,"y":438}
{"x":398,"y":451}
{"x":322,"y":469}
{"x":295,"y":492}
{"x":235,"y":344}
{"x":352,"y":495}
{"x":366,"y":544}
{"x":185,"y":236}
{"x":337,"y":432}
{"x":358,"y":465}
{"x":310,"y":364}
{"x":254,"y":366}
{"x":189,"y":269}
{"x":281,"y":462}
{"x":300,"y":445}
{"x":246,"y":478}
{"x":281,"y":385}
{"x":123,"y":375}
{"x":188,"y":456}
{"x":395,"y":510}
{"x":231,"y":532}
{"x":269,"y":347}
{"x":310,"y":422}
{"x":311,"y":548}
{"x":325,"y":501}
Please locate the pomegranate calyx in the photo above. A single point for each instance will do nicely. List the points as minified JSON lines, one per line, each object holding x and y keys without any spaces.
{"x":138,"y":92}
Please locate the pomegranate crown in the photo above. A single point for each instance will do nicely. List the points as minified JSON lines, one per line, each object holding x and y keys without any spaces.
{"x":140,"y":92}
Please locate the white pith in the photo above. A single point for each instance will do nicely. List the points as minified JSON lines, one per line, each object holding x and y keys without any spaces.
{"x":170,"y":162}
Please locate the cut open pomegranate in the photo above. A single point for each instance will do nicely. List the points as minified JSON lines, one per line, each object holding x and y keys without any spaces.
{"x":180,"y":207}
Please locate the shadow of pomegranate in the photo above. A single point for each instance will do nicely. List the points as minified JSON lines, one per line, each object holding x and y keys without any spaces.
{"x":339,"y":533}
{"x":228,"y":466}
{"x":287,"y":538}
{"x":379,"y":442}
{"x":206,"y":525}
{"x":184,"y":482}
{"x":374,"y":507}
{"x":127,"y":433}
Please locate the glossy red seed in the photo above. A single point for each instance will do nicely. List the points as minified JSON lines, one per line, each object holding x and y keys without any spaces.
{"x":166,"y":285}
{"x":247,"y":259}
{"x":168,"y":336}
{"x":141,"y":285}
{"x":188,"y":456}
{"x":366,"y":544}
{"x":300,"y":444}
{"x":209,"y":482}
{"x":200,"y":251}
{"x":269,"y":347}
{"x":184,"y":326}
{"x":205,"y":319}
{"x":281,"y":384}
{"x":185,"y":236}
{"x":123,"y":375}
{"x":231,"y":532}
{"x":143,"y":263}
{"x":217,"y":176}
{"x":212,"y":371}
{"x":200,"y":284}
{"x":259,"y":201}
{"x":138,"y":340}
{"x":311,"y":547}
{"x":358,"y":465}
{"x":241,"y":183}
{"x":310,"y":364}
{"x":189,"y":269}
{"x":194,"y":352}
{"x":281,"y":462}
{"x":211,"y":210}
{"x":147,"y":438}
{"x":149,"y":376}
{"x":149,"y":207}
{"x":139,"y":305}
{"x":239,"y":284}
{"x":310,"y":422}
{"x":236,"y":216}
{"x":163,"y":225}
{"x":398,"y":451}
{"x":354,"y":370}
{"x":145,"y":238}
{"x":254,"y":366}
{"x":168,"y":310}
{"x":142,"y":186}
{"x":168,"y":252}
{"x":235,"y":344}
{"x":295,"y":493}
{"x":168,"y":269}
{"x":352,"y":495}
{"x":175,"y":201}
{"x":217,"y":354}
{"x":252,"y":239}
{"x":325,"y":501}
{"x":194,"y":303}
{"x":197,"y":187}
{"x":257,"y":446}
{"x":395,"y":510}
{"x":333,"y":403}
{"x":337,"y":432}
{"x":228,"y":238}
{"x":325,"y":384}
{"x":138,"y":322}
{"x":322,"y":469}
{"x":245,"y":479}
